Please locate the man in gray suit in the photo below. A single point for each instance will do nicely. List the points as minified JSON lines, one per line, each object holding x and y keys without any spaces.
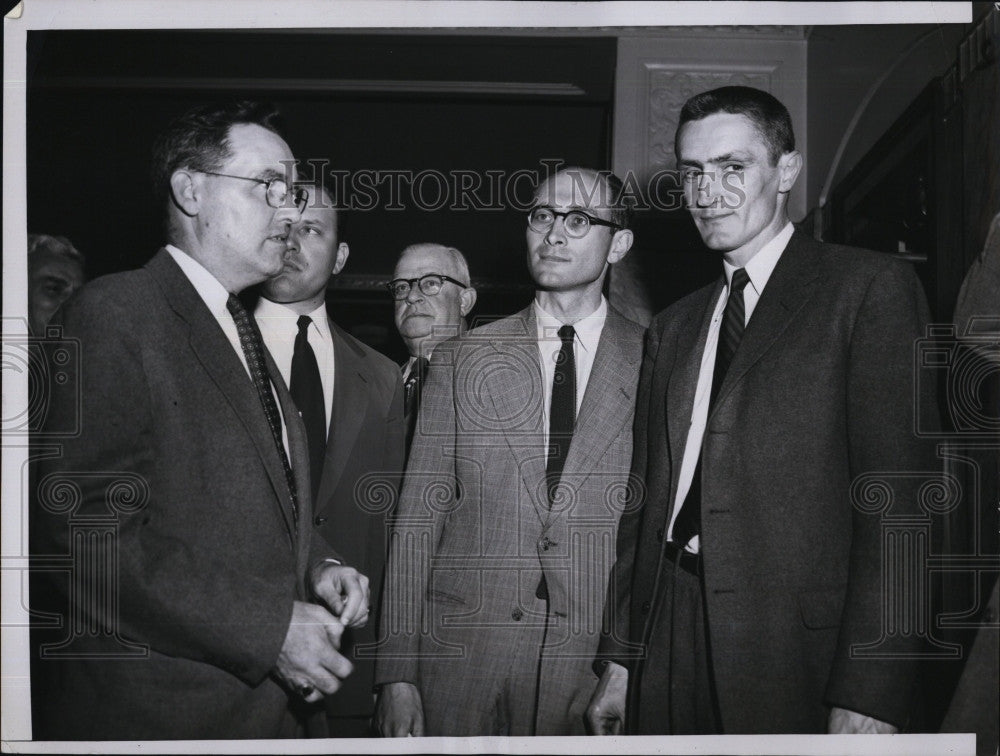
{"x":211,"y":600}
{"x":776,"y":410}
{"x":504,"y":533}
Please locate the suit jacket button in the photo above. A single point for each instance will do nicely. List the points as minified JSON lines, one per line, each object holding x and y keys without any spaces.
{"x":319,"y":520}
{"x":517,"y":614}
{"x":659,"y":535}
{"x":646,"y":606}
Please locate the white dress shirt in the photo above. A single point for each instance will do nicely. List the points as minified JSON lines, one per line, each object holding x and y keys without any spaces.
{"x":588,"y":334}
{"x":215,"y":297}
{"x":759,"y":270}
{"x":279,"y":327}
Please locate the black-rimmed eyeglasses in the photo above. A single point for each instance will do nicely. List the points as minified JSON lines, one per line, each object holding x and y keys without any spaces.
{"x":576,"y":222}
{"x":276,"y":192}
{"x":429,"y":285}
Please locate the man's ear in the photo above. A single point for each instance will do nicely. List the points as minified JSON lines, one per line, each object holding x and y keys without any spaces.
{"x":343,"y":252}
{"x":620,"y":245}
{"x":184,"y":192}
{"x":466,"y":301}
{"x":789,"y":166}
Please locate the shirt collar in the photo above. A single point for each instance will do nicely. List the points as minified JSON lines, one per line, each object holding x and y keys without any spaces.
{"x":588,"y":329}
{"x":282,"y":316}
{"x":212,"y":292}
{"x":761,"y":265}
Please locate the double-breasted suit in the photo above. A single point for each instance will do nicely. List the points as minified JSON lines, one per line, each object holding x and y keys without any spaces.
{"x":360,"y":480}
{"x":184,"y":602}
{"x":809,"y":453}
{"x":474,"y":534}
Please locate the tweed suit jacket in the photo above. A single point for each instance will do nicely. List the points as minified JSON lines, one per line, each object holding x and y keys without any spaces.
{"x":360,"y":480}
{"x":206,"y":557}
{"x":815,"y":415}
{"x":474,"y":533}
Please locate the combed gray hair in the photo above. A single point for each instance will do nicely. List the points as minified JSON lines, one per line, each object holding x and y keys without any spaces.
{"x":56,"y":245}
{"x":457,"y":259}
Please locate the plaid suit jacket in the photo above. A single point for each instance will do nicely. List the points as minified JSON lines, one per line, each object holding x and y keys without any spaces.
{"x":474,"y":533}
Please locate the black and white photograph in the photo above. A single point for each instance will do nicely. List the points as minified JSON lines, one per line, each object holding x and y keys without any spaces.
{"x":501,"y":377}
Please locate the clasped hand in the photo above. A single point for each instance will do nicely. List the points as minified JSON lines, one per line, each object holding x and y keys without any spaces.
{"x":309,"y":662}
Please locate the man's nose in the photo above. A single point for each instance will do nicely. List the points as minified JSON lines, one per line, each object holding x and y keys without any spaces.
{"x":707,"y":193}
{"x":414,"y":295}
{"x":288,"y":213}
{"x":557,"y":233}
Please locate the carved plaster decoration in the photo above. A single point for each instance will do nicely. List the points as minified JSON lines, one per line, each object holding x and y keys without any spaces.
{"x":669,"y":87}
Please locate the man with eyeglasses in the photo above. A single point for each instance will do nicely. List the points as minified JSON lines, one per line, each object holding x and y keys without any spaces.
{"x":351,"y":401}
{"x":431,"y":291}
{"x":210,"y":600}
{"x":504,"y":534}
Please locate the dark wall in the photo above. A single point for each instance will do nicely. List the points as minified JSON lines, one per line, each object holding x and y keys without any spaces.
{"x":354,"y":103}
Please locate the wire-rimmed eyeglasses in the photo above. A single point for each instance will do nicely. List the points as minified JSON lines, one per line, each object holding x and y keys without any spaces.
{"x":576,"y":222}
{"x":276,"y":191}
{"x":429,"y":285}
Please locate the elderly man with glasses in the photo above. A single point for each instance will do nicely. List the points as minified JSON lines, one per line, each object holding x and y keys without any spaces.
{"x":203,"y":603}
{"x":432,"y":294}
{"x":505,"y":530}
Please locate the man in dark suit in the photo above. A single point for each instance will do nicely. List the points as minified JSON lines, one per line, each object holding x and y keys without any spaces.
{"x":192,"y":616}
{"x":350,"y":397}
{"x":502,"y":542}
{"x":432,"y":292}
{"x":750,"y":577}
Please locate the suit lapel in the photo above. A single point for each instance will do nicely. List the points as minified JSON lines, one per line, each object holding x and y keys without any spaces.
{"x":516,"y":393}
{"x":786,"y":292}
{"x":350,"y":400}
{"x":606,"y":404}
{"x":211,"y":347}
{"x":682,"y":380}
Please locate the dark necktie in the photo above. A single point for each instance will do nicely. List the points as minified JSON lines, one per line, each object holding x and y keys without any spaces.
{"x":562,"y":419}
{"x":411,"y":396}
{"x":307,"y":392}
{"x":688,"y":522}
{"x":253,"y":350}
{"x":562,"y":410}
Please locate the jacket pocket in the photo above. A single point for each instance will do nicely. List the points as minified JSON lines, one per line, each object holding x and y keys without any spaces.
{"x":822,"y":608}
{"x":435,"y":595}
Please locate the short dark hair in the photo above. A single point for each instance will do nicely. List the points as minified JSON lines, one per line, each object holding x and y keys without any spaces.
{"x":768,"y":115}
{"x":621,"y":203}
{"x":199,"y":139}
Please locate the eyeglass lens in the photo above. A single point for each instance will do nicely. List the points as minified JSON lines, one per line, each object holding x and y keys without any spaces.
{"x":577,"y":224}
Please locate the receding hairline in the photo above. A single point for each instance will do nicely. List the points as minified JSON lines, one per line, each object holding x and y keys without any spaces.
{"x":459,"y":264}
{"x":571,"y":171}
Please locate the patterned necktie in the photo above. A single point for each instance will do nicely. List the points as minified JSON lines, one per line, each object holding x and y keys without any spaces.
{"x":412,"y":387}
{"x":306,"y":389}
{"x":562,"y":410}
{"x":688,"y":522}
{"x":253,"y":350}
